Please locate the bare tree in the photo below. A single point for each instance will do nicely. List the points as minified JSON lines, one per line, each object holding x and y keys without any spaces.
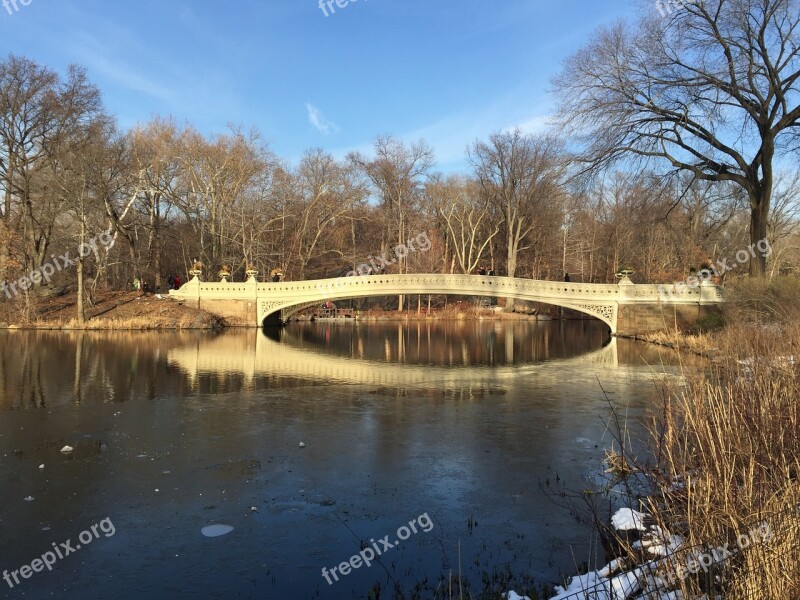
{"x":467,"y":219}
{"x":520,"y":175}
{"x":215,"y":176}
{"x":397,"y":172}
{"x":155,"y":162}
{"x":784,"y":218}
{"x":328,"y":191}
{"x":712,"y":89}
{"x":41,"y":115}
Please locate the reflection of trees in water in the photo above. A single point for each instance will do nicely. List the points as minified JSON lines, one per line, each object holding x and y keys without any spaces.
{"x":30,"y":391}
{"x":52,"y":368}
{"x":461,"y":343}
{"x":41,"y":369}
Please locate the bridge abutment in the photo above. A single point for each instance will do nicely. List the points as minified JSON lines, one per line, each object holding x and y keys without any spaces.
{"x":638,"y":319}
{"x":645,"y":310}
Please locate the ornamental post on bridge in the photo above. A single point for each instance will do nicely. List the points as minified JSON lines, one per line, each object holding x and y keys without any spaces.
{"x":251,"y":290}
{"x":192,"y":287}
{"x":626,"y":293}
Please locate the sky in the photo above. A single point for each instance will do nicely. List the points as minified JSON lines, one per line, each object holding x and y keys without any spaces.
{"x":449,"y":72}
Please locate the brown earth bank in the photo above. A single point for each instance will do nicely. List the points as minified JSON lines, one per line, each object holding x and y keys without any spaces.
{"x":136,"y":311}
{"x":110,"y":310}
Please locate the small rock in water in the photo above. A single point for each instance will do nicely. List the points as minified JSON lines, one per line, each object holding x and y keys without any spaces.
{"x":41,"y":466}
{"x":216,"y":530}
{"x":67,"y":449}
{"x":302,"y":444}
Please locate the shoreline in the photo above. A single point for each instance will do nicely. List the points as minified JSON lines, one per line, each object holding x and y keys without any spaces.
{"x":134,"y":311}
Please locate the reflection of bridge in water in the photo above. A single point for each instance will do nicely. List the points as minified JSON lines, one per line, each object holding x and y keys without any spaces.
{"x":625,"y":307}
{"x":262,"y":356}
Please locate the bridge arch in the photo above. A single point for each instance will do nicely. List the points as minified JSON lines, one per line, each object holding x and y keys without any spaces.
{"x":283,"y":314}
{"x":595,"y":300}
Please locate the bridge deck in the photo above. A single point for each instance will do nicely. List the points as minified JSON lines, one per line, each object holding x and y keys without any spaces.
{"x":599,"y":300}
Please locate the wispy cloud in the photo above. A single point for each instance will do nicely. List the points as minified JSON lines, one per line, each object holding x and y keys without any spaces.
{"x":452,"y":134}
{"x":537,"y":124}
{"x":320,"y":123}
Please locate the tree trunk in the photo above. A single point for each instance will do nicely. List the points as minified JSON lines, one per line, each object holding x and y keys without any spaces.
{"x":512,"y":269}
{"x":759,"y":215}
{"x":154,"y":242}
{"x":4,"y":252}
{"x":81,"y":309}
{"x":5,"y":231}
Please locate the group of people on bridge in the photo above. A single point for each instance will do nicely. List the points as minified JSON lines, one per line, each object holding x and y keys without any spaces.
{"x":141,"y":285}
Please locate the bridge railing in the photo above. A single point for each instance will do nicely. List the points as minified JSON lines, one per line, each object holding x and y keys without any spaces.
{"x":624,"y":292}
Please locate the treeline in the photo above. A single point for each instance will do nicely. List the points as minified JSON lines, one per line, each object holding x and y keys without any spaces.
{"x":168,"y":194}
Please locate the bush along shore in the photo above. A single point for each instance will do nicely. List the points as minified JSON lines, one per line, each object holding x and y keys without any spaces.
{"x":714,"y":510}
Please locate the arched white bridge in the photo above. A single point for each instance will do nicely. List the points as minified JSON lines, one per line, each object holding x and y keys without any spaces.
{"x":625,"y":307}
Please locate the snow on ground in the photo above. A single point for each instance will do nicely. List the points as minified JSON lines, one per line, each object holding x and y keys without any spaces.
{"x":640,"y":582}
{"x":626,"y":519}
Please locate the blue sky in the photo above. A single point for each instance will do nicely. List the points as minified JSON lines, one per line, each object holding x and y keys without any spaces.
{"x":449,"y":71}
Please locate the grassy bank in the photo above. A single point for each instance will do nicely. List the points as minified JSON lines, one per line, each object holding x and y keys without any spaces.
{"x":110,"y":310}
{"x":726,"y":454}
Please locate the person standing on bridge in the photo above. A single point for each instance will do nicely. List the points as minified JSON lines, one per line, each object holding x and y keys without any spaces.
{"x":566,"y":277}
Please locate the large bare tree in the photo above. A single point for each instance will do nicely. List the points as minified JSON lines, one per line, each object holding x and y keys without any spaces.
{"x":398,"y":173}
{"x":328,"y":191}
{"x":521,"y":176}
{"x":466,"y":217}
{"x":710,"y":88}
{"x":42,"y":117}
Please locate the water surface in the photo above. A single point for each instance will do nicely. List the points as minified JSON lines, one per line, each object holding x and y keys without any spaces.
{"x":463,"y":422}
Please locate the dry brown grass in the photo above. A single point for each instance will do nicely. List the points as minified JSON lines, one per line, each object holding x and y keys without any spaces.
{"x":732,"y":440}
{"x":705,"y":344}
{"x":127,"y":324}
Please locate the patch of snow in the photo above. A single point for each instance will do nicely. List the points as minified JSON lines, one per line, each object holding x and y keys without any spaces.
{"x":626,"y":519}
